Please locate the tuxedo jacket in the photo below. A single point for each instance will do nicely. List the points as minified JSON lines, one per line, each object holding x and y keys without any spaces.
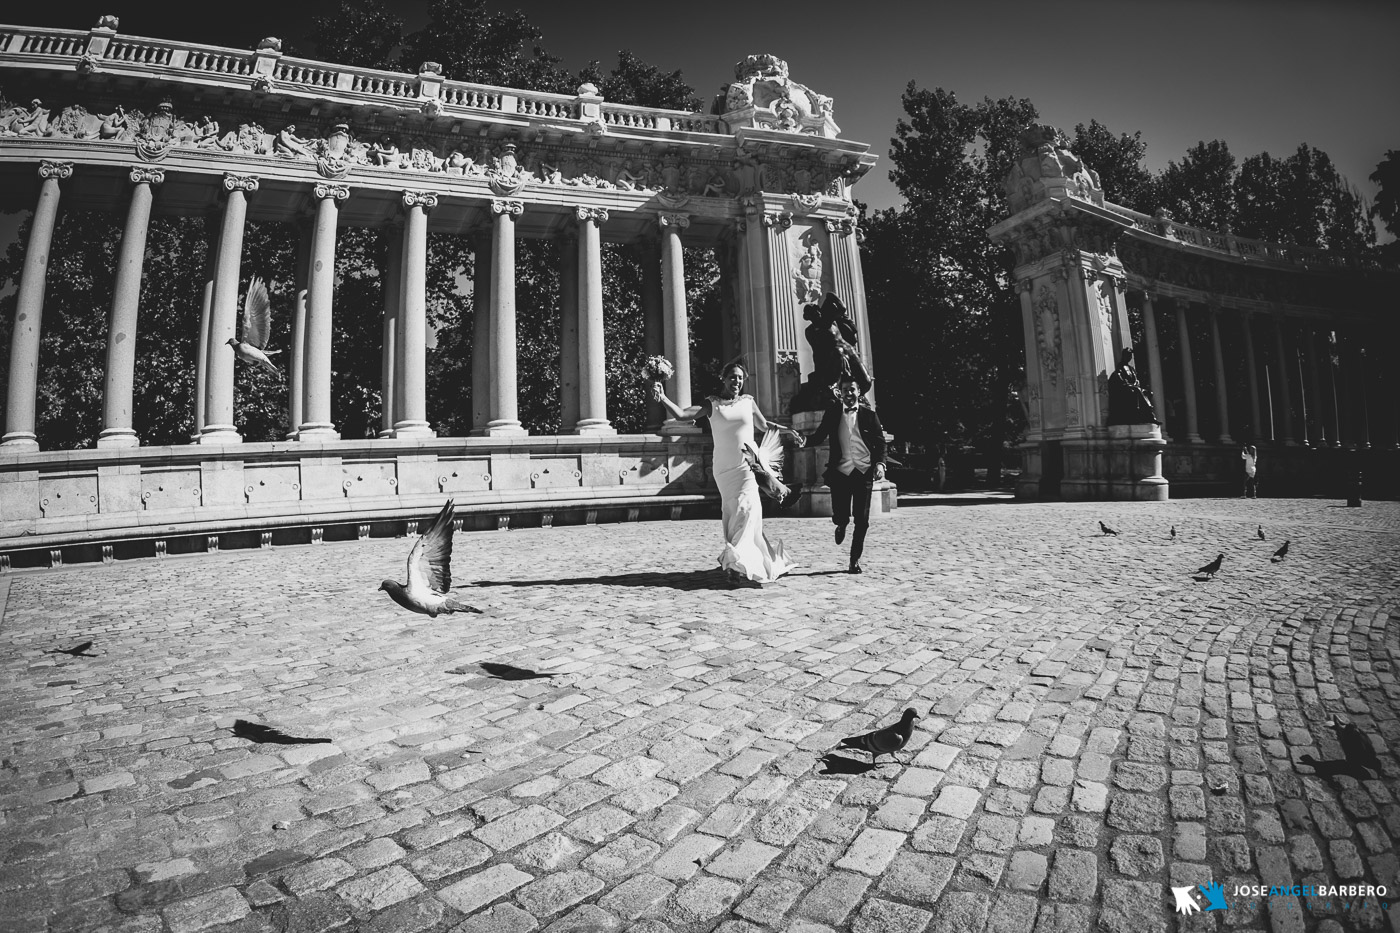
{"x":870,"y":432}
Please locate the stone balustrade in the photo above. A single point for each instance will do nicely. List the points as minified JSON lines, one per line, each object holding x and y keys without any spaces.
{"x":1242,"y":247}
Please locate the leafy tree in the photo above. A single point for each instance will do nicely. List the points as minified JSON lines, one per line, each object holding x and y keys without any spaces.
{"x":947,"y":332}
{"x":1387,"y":206}
{"x":365,"y":33}
{"x":1118,"y":160}
{"x":475,"y":44}
{"x":636,"y":82}
{"x":1301,"y":200}
{"x":1200,"y":189}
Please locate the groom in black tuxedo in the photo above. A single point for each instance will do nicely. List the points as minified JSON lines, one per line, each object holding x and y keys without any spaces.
{"x":857,"y":461}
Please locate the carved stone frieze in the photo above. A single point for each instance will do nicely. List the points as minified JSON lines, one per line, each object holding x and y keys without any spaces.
{"x":807,"y":275}
{"x":1046,"y":310}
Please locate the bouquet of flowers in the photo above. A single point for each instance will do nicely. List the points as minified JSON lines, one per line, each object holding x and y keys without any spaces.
{"x":658,"y":369}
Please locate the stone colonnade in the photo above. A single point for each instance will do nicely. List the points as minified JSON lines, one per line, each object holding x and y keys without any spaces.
{"x":1307,"y":380}
{"x":494,"y":371}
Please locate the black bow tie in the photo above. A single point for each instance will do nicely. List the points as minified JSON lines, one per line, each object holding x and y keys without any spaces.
{"x":849,"y":410}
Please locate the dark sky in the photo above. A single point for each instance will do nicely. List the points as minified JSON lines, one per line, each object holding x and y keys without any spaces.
{"x":1263,"y":75}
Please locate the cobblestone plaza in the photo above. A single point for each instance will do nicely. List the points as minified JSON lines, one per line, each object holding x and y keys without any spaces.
{"x":1098,"y":726}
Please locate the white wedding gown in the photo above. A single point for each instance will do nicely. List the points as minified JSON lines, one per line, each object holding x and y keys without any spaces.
{"x":747,"y":551}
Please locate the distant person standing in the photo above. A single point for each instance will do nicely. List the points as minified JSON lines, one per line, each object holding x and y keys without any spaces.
{"x":1250,"y":456}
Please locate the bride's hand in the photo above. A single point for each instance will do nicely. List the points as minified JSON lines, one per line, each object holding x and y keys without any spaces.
{"x":656,"y":392}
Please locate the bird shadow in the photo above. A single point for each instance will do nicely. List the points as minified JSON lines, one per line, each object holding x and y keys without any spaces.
{"x":510,"y":672}
{"x":693,"y":580}
{"x":1331,"y":768}
{"x":77,"y":651}
{"x":1202,"y":578}
{"x":840,"y":764}
{"x":256,"y":732}
{"x":824,"y":573}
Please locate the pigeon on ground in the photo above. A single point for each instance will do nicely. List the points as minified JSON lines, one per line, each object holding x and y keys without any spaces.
{"x":1281,"y":553}
{"x":256,"y":732}
{"x":430,"y":572}
{"x":1107,"y":530}
{"x":1356,"y":745}
{"x":1173,"y":532}
{"x":1260,"y":532}
{"x":1212,"y":568}
{"x":77,"y":651}
{"x":257,"y":322}
{"x":884,"y":741}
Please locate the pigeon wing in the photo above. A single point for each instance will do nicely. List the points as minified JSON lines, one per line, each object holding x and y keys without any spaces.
{"x":885,"y":740}
{"x":430,"y":561}
{"x":257,"y":314}
{"x":770,"y":453}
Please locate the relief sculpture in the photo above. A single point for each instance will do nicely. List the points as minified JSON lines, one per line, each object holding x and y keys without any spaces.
{"x":1047,"y":332}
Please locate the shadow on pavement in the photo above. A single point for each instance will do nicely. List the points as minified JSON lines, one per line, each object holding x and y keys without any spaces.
{"x":840,"y":764}
{"x":908,"y":500}
{"x":693,"y":580}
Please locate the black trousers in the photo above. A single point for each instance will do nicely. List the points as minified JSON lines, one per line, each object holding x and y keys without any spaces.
{"x":851,"y":494}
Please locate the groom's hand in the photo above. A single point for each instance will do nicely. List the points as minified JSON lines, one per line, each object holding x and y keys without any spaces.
{"x":879,"y":472}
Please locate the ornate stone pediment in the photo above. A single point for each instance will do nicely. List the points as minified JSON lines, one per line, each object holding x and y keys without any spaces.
{"x":1047,"y":169}
{"x":763,"y":96}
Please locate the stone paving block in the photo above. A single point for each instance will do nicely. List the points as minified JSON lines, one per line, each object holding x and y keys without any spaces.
{"x":225,"y":905}
{"x":557,"y":892}
{"x":1074,"y":875}
{"x":381,"y":889}
{"x":685,"y":857}
{"x":1012,"y":913}
{"x":961,"y":912}
{"x":956,"y":801}
{"x":477,"y":890}
{"x":880,"y":916}
{"x":916,"y":877}
{"x":703,"y":899}
{"x":834,"y":897}
{"x":518,"y":827}
{"x":318,"y":875}
{"x":1130,"y":906}
{"x":637,"y":896}
{"x":770,"y":901}
{"x":502,"y":918}
{"x":621,"y":857}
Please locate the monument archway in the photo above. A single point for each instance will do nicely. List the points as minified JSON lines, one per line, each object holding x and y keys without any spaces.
{"x":144,"y":126}
{"x":1240,"y":341}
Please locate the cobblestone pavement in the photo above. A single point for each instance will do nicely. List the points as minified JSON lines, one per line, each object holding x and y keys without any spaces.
{"x":1098,"y":726}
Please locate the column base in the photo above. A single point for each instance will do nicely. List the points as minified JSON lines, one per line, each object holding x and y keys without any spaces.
{"x":1226,"y":440}
{"x":317,"y":432}
{"x":219,"y":434}
{"x":511,"y":428}
{"x":20,"y":442}
{"x":594,"y":426}
{"x":413,"y":429}
{"x":118,"y":437}
{"x":675,"y":428}
{"x":1194,"y":439}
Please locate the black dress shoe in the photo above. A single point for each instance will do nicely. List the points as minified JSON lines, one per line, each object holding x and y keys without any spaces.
{"x":855,"y":568}
{"x":840,"y":533}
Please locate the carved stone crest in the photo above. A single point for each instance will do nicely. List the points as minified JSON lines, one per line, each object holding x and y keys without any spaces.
{"x":157,"y":133}
{"x":764,"y":96}
{"x":333,"y":161}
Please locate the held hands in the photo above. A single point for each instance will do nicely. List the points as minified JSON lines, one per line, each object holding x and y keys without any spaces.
{"x":879,"y":472}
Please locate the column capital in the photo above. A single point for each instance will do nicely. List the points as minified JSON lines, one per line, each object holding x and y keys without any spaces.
{"x":424,"y":199}
{"x":841,"y":226}
{"x":326,"y":189}
{"x":668,"y":219}
{"x":53,"y":168}
{"x":597,"y":215}
{"x":146,"y":175}
{"x":245,"y":183}
{"x":777,"y":219}
{"x":507,"y":206}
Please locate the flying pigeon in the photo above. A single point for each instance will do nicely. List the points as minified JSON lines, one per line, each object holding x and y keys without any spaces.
{"x":1212,"y":568}
{"x":430,"y":572}
{"x":1260,"y":532}
{"x":77,"y":651}
{"x":884,"y":741}
{"x":1173,"y":532}
{"x":1107,"y":530}
{"x":257,"y":321}
{"x":1356,"y":746}
{"x":1281,"y":553}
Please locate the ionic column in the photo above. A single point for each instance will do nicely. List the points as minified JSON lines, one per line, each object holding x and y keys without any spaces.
{"x":1154,"y":361}
{"x":568,"y":329}
{"x":1317,"y":409}
{"x":1285,"y":385}
{"x":1332,"y":410}
{"x":593,"y":387}
{"x":676,"y":323}
{"x":1222,"y":400}
{"x":1188,"y":374}
{"x":1362,"y":395}
{"x":413,"y":317}
{"x":206,"y":310}
{"x":29,"y":314}
{"x":223,"y":316}
{"x":504,"y":419}
{"x":296,"y":365}
{"x":481,"y":334}
{"x":117,"y":430}
{"x":653,"y":318}
{"x":1252,"y":374}
{"x":316,"y":410}
{"x":389,"y":352}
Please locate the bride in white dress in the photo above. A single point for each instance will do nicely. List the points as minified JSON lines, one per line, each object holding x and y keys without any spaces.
{"x":747,"y":554}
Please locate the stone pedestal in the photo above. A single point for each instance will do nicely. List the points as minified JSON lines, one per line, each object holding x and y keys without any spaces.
{"x":1127,"y":465}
